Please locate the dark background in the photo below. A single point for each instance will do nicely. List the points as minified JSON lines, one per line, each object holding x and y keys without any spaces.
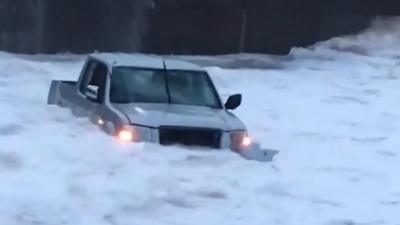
{"x":181,"y":26}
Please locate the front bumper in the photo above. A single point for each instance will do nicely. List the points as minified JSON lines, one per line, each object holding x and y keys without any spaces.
{"x":220,"y":139}
{"x":227,"y":140}
{"x":256,"y":153}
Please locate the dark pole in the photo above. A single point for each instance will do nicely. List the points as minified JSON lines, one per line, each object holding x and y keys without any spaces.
{"x":242,"y":40}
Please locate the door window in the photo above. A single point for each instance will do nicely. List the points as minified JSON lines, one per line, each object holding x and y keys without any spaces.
{"x":94,"y":85}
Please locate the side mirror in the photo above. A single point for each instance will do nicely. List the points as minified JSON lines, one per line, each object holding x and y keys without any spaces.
{"x":92,"y":92}
{"x":233,"y":102}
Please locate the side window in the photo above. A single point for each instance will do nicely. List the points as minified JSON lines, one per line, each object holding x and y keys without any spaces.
{"x":86,"y":76}
{"x":98,"y":81}
{"x":95,"y":81}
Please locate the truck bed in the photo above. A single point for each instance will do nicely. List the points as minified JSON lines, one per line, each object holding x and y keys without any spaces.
{"x":60,"y":90}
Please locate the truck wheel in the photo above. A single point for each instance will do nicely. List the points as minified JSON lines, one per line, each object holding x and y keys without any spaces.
{"x":78,"y":111}
{"x":109,"y":128}
{"x":94,"y":119}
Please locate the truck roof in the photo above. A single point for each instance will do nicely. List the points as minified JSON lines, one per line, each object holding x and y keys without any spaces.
{"x":144,"y":61}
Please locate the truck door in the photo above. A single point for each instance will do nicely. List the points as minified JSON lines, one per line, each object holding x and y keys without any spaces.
{"x":92,"y":87}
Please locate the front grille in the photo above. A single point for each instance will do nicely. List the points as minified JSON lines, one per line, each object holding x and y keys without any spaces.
{"x":201,"y":137}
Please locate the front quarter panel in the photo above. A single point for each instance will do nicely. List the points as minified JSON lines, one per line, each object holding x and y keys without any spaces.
{"x":233,"y":123}
{"x":112,"y":119}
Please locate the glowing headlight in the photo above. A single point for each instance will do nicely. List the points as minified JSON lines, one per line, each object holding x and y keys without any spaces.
{"x":126,"y":135}
{"x":240,"y":141}
{"x":134,"y":133}
{"x":246,"y":141}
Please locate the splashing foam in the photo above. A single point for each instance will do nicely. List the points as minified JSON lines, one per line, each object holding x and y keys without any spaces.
{"x":381,"y":39}
{"x":383,"y":36}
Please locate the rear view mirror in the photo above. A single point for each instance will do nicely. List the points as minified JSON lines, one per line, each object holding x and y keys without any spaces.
{"x":92,"y":92}
{"x":233,"y":102}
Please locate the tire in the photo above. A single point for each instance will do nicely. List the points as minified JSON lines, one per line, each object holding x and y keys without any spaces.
{"x":78,"y":111}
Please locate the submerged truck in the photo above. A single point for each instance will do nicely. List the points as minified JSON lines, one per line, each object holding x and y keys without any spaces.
{"x":140,"y":98}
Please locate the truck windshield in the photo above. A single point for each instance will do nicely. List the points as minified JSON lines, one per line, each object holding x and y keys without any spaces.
{"x":130,"y":85}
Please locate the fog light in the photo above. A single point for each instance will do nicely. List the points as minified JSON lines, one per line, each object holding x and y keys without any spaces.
{"x":125,"y":135}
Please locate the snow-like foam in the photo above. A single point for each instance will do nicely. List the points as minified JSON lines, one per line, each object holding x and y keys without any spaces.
{"x":382,"y":39}
{"x":333,"y":113}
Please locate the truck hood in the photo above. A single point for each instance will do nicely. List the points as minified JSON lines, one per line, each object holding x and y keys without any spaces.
{"x":155,"y":115}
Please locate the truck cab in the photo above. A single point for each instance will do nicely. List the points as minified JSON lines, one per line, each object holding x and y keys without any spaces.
{"x":151,"y":99}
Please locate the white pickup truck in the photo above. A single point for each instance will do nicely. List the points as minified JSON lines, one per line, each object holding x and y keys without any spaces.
{"x":144,"y":98}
